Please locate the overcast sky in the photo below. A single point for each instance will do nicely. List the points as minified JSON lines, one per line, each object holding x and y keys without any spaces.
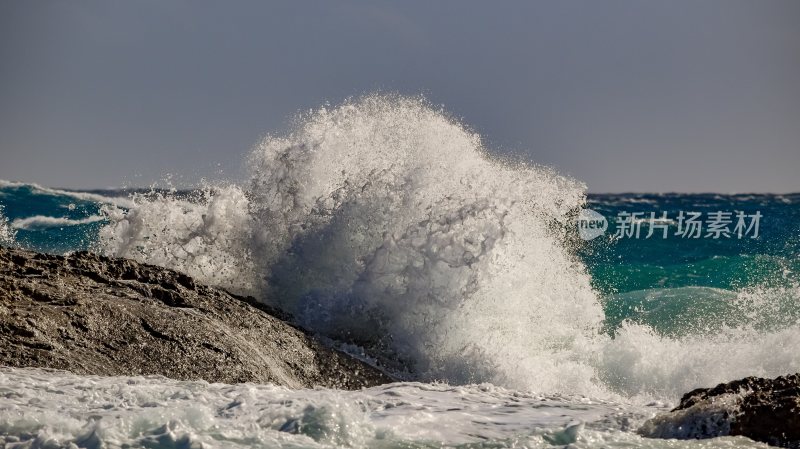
{"x":624,"y":95}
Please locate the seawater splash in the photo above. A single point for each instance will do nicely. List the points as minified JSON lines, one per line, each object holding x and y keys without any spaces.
{"x":7,"y":233}
{"x":207,"y":235}
{"x":383,"y":222}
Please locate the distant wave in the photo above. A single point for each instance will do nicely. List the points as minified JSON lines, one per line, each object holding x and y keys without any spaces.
{"x":84,"y":196}
{"x":42,"y":221}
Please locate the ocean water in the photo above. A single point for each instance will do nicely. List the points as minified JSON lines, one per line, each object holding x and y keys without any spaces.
{"x":386,"y":226}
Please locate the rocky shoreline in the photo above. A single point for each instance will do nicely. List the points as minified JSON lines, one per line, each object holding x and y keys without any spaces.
{"x":90,"y":314}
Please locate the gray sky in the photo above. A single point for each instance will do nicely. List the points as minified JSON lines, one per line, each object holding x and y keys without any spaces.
{"x":635,"y":95}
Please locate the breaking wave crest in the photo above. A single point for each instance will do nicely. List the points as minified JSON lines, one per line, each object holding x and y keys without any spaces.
{"x":384,"y":222}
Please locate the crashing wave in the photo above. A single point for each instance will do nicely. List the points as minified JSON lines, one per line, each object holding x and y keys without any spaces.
{"x":383,"y":222}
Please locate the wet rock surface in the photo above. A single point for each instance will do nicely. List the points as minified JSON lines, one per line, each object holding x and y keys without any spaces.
{"x":90,"y":314}
{"x":766,"y":410}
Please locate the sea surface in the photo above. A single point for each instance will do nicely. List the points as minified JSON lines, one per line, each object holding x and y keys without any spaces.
{"x":385,"y":226}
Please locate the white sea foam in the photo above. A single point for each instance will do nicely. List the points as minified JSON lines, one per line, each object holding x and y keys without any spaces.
{"x":57,"y":410}
{"x":383,"y":222}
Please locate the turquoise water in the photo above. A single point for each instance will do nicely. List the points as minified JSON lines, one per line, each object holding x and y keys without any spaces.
{"x":730,"y":263}
{"x":23,"y":201}
{"x":682,"y":285}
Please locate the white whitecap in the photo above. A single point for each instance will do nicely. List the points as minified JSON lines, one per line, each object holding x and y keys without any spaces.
{"x":43,"y":221}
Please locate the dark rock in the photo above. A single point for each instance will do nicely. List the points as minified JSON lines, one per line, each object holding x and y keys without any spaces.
{"x":90,"y":314}
{"x":766,"y":410}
